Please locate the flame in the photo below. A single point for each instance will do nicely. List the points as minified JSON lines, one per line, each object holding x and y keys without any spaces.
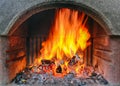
{"x":68,"y":35}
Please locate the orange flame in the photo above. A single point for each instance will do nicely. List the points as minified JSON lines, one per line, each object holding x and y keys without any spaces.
{"x":68,"y":35}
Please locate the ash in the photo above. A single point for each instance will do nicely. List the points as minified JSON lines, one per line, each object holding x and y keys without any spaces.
{"x":35,"y":75}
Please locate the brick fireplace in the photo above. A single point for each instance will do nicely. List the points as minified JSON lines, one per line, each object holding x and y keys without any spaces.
{"x":21,"y":38}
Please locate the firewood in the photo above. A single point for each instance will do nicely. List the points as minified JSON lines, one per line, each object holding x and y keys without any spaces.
{"x":59,"y":69}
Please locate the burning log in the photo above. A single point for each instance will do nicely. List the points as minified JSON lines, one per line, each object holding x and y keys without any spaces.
{"x":59,"y":69}
{"x":74,"y":60}
{"x":46,"y":62}
{"x":46,"y":66}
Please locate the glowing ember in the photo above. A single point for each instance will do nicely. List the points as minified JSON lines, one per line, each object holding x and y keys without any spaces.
{"x":66,"y":42}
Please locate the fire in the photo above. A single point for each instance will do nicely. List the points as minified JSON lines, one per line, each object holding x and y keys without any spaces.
{"x":68,"y":37}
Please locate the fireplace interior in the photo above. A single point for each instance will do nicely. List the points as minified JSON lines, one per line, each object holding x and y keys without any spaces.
{"x":24,"y":45}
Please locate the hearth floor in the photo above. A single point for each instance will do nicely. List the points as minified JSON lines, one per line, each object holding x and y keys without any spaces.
{"x":12,"y":84}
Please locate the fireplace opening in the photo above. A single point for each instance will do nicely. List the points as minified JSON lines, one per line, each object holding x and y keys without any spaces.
{"x":58,"y":44}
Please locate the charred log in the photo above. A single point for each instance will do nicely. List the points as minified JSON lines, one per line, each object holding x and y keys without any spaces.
{"x":59,"y":69}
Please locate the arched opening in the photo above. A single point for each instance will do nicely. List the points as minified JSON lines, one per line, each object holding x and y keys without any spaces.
{"x":27,"y":40}
{"x":26,"y":34}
